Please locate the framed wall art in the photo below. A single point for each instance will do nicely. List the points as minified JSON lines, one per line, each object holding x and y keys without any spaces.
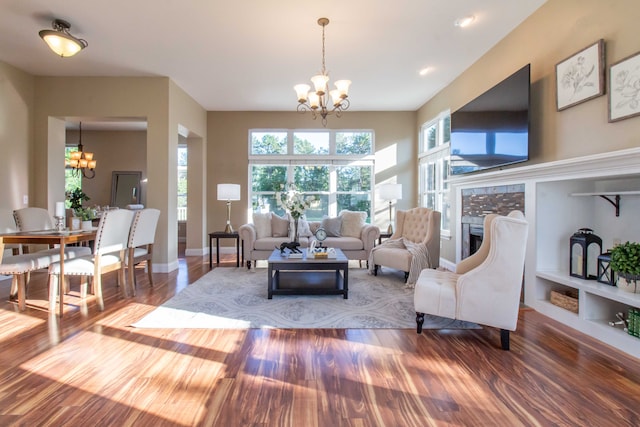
{"x":624,"y":88}
{"x":580,"y":77}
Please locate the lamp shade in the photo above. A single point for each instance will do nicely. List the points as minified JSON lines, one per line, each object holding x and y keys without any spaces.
{"x":228,"y":191}
{"x":390,"y":191}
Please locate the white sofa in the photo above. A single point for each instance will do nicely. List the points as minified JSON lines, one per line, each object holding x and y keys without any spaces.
{"x":356,"y":248}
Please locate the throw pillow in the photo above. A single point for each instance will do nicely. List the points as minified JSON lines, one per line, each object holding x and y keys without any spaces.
{"x":262,"y":222}
{"x":279,"y":226}
{"x":352,"y":223}
{"x":332,"y":226}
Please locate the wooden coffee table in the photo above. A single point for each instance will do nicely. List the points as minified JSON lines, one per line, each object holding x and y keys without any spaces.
{"x":308,"y":276}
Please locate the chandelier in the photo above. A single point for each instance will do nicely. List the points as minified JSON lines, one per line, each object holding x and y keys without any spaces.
{"x":318,"y":101}
{"x":61,"y":41}
{"x":80,"y":161}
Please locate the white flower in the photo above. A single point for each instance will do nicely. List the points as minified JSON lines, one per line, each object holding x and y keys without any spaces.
{"x":293,"y":201}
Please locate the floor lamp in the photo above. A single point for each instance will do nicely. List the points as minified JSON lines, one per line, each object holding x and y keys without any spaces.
{"x":228,"y":192}
{"x":390,"y":192}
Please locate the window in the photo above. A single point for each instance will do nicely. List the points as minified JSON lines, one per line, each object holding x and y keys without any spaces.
{"x":72,"y":180}
{"x":182,"y":183}
{"x":334,"y":166}
{"x":434,"y":168}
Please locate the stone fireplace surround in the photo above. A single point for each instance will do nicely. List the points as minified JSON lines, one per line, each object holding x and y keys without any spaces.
{"x":481,"y":201}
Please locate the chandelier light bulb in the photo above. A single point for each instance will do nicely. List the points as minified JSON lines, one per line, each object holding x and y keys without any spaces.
{"x":321,"y":101}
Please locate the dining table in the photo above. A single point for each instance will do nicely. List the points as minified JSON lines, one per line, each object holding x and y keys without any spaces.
{"x":52,"y":237}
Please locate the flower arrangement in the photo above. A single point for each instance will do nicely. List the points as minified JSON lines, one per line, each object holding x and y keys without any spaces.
{"x":76,"y":197}
{"x":290,"y":199}
{"x":86,"y":214}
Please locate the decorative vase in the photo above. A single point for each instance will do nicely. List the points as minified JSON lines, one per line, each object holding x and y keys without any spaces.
{"x":296,"y":237}
{"x":87,"y":225}
{"x":629,"y":283}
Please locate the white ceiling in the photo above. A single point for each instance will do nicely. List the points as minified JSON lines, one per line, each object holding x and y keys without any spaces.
{"x":247,"y":55}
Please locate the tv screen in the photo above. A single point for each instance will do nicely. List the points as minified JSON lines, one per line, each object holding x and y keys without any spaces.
{"x":493,"y":129}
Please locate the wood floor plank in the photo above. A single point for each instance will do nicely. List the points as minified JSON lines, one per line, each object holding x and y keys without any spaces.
{"x":93,"y":368}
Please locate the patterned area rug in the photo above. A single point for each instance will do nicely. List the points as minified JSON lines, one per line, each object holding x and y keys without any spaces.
{"x":237,"y":298}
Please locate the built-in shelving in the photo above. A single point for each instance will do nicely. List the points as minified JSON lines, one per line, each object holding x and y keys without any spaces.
{"x":555,"y":211}
{"x":616,"y":197}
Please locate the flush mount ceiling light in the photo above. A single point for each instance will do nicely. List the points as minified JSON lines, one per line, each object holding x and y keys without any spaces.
{"x":60,"y":41}
{"x":463,"y":22}
{"x":317,"y":101}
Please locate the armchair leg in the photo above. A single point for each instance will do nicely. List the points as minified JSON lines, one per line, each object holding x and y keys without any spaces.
{"x":248,"y":265}
{"x":504,"y":339}
{"x":375,"y":270}
{"x":406,"y":276}
{"x":419,"y":321}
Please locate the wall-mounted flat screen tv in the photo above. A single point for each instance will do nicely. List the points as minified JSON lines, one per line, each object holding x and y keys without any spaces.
{"x":493,"y":129}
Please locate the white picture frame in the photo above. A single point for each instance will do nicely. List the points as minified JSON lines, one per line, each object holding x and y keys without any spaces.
{"x":624,"y":88}
{"x":580,"y":77}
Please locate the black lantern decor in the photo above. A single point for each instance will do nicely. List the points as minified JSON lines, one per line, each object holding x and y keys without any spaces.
{"x":584,"y":250}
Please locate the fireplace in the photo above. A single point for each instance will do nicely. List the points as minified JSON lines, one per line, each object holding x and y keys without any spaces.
{"x":478,"y":203}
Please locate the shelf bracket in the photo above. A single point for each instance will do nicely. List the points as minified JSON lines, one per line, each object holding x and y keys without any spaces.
{"x":615,"y":204}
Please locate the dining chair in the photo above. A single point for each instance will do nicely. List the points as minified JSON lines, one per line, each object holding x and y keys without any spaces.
{"x":8,"y":225}
{"x":140,"y":244}
{"x":32,"y":219}
{"x":108,"y":255}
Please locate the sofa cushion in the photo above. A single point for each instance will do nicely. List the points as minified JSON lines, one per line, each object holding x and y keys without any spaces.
{"x":332,"y":226}
{"x":279,"y":226}
{"x":352,"y":223}
{"x":262,"y":222}
{"x":344,"y":243}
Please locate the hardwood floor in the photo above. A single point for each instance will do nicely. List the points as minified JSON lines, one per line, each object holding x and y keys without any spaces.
{"x":92,"y":368}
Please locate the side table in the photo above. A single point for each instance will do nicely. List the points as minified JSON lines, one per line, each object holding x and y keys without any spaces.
{"x":223,"y":235}
{"x":383,"y":236}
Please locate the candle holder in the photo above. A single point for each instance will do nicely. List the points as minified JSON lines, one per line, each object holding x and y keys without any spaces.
{"x":59,"y":223}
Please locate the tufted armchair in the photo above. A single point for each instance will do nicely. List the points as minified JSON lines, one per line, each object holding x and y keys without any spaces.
{"x":414,"y":246}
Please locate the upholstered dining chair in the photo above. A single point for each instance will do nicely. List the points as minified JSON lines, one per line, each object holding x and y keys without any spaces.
{"x":20,"y":266}
{"x":485,"y":287}
{"x":108,"y":255}
{"x":414,"y":245}
{"x":8,"y":225}
{"x":140,"y":245}
{"x":32,"y":219}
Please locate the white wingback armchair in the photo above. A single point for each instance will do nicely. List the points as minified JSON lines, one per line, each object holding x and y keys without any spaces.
{"x":486,"y":286}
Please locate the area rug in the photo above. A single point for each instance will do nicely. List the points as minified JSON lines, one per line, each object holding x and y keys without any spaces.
{"x":236,"y":298}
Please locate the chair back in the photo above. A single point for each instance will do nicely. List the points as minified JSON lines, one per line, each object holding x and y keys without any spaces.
{"x":475,"y":259}
{"x":420,"y":225}
{"x":143,"y":227}
{"x":32,"y":219}
{"x":113,"y":231}
{"x":499,"y":277}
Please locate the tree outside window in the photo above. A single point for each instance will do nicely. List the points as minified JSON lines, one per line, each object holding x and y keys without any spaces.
{"x":333,"y":166}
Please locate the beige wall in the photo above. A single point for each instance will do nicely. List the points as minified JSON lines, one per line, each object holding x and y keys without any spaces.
{"x":16,"y":136}
{"x":114,"y":151}
{"x":395,"y":141}
{"x":557,"y":30}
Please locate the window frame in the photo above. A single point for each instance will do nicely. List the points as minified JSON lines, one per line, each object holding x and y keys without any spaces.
{"x":437,"y":159}
{"x":332,"y":160}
